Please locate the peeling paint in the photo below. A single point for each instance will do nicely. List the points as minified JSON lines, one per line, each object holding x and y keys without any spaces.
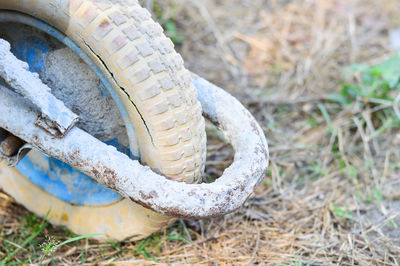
{"x":17,"y":76}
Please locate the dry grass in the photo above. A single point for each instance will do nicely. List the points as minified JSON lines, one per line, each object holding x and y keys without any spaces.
{"x":332,"y":194}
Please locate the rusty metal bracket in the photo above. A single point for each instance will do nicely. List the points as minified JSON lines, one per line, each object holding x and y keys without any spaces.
{"x":139,"y":183}
{"x":55,"y":117}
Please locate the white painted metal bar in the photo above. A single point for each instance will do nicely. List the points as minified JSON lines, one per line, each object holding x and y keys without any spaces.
{"x":55,"y":117}
{"x":139,"y":183}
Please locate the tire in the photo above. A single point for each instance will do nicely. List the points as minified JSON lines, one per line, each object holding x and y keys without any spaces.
{"x":149,"y":76}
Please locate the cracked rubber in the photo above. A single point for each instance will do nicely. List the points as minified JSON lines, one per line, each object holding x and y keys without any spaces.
{"x":143,"y":67}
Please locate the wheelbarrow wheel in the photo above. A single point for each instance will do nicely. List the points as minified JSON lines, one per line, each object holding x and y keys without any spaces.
{"x":143,"y":67}
{"x":149,"y":78}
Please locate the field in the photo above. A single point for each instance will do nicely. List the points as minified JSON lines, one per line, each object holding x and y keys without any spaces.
{"x":322,"y":78}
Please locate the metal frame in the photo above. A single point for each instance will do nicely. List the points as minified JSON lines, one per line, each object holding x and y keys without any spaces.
{"x":139,"y":183}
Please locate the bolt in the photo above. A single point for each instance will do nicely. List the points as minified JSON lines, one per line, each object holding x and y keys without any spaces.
{"x":11,"y":145}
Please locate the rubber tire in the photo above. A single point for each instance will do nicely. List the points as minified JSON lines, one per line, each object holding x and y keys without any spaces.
{"x":143,"y":67}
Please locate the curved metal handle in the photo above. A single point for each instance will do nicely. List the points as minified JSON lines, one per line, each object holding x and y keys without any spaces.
{"x":139,"y":183}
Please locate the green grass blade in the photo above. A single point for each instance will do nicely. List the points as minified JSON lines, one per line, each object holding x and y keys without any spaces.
{"x":27,"y":241}
{"x":73,"y":240}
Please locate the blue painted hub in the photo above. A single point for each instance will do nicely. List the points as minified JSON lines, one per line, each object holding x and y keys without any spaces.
{"x":52,"y":175}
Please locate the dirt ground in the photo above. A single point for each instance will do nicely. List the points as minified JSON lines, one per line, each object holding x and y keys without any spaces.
{"x":332,"y":194}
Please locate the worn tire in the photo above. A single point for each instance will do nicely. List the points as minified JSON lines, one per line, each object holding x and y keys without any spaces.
{"x":143,"y":67}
